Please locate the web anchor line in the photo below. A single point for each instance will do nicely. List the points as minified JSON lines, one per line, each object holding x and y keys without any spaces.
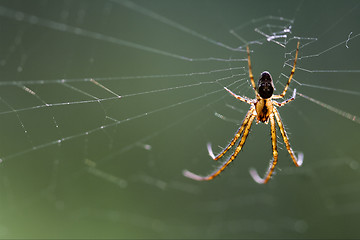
{"x":342,"y":113}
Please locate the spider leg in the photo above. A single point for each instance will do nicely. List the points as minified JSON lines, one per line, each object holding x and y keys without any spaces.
{"x":286,"y":101}
{"x":244,"y":99}
{"x":225,"y":164}
{"x":250,"y":72}
{"x":291,"y":74}
{"x":297,"y":160}
{"x":236,"y":137}
{"x":273,"y":163}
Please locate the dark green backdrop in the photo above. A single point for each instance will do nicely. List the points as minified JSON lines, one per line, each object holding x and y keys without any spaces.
{"x":78,"y":161}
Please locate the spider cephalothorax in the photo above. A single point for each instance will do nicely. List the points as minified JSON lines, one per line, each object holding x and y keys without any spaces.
{"x":262,"y":109}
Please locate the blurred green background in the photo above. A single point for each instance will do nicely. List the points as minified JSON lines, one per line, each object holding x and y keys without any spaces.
{"x":79,"y":162}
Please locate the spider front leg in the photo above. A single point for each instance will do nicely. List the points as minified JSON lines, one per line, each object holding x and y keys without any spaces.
{"x":233,"y":156}
{"x":272,"y":166}
{"x":297,"y":160}
{"x":236,"y":137}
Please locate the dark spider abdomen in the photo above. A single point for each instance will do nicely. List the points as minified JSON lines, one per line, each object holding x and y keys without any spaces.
{"x":265,"y":85}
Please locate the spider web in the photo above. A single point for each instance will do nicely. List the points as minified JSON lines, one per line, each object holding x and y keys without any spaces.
{"x":104,"y":103}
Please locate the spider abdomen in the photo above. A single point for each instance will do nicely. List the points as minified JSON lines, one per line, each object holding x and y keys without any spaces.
{"x":264,"y":108}
{"x":265,"y":85}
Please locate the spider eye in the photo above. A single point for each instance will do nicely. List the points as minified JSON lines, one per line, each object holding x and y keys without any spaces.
{"x":265,"y":85}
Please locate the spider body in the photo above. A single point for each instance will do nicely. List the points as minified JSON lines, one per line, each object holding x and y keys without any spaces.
{"x":263,"y":108}
{"x":263,"y":104}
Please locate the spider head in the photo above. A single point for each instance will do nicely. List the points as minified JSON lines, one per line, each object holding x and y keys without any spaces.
{"x":265,"y":85}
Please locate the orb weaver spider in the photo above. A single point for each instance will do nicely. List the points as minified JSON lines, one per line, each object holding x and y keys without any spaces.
{"x":263,"y":109}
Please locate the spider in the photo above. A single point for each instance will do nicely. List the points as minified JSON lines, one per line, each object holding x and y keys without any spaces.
{"x":263,"y":108}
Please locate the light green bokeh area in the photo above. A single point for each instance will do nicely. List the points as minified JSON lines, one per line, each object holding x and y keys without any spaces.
{"x":124,"y":180}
